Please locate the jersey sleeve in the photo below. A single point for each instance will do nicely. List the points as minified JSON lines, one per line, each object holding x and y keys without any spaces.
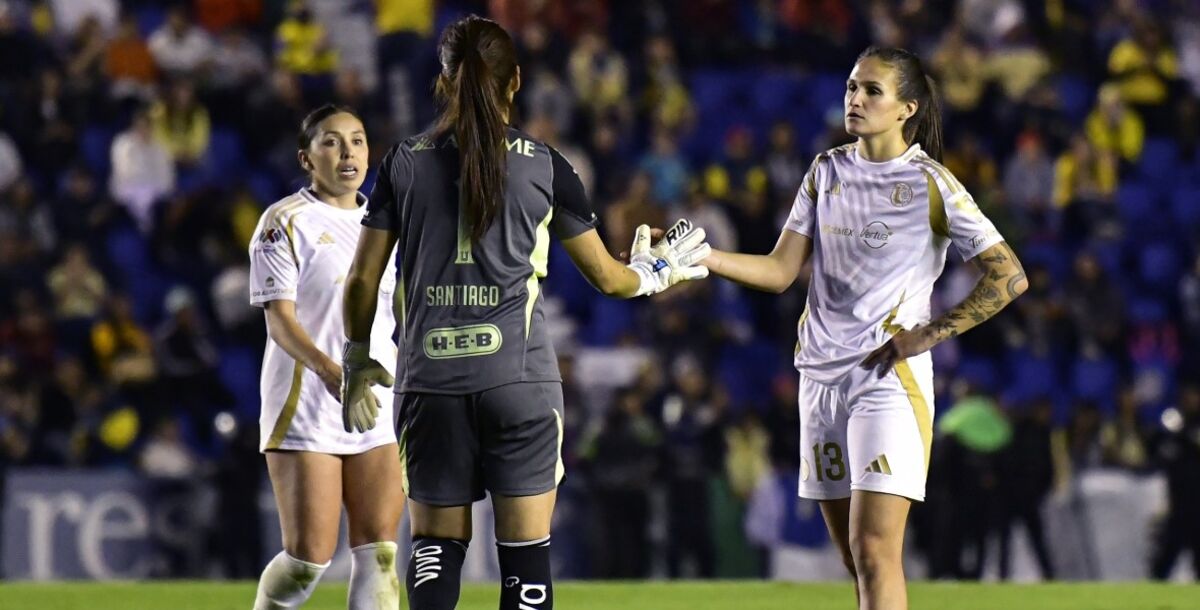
{"x":274,"y":271}
{"x":392,"y":185}
{"x":803,"y":217}
{"x":573,"y":213}
{"x":960,"y":218}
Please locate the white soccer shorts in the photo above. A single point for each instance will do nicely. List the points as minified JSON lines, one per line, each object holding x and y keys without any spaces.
{"x":867,"y":433}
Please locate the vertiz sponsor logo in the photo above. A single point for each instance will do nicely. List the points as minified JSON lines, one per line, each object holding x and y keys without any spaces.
{"x":875,"y":235}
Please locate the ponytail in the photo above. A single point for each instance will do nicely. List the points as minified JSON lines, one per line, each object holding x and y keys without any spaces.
{"x":478,"y":63}
{"x":928,"y":132}
{"x":915,"y":84}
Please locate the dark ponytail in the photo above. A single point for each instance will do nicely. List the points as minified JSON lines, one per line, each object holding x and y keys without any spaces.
{"x":915,"y":84}
{"x":478,"y":63}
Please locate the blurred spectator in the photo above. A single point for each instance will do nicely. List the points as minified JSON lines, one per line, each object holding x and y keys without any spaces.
{"x":738,"y":177}
{"x":29,"y":334}
{"x":142,"y":170}
{"x":165,"y":454}
{"x":1085,"y":178}
{"x":546,"y":95}
{"x":635,"y":208}
{"x":55,"y":123}
{"x":121,"y":348}
{"x":78,"y":289}
{"x":1189,"y":303}
{"x":219,"y":16}
{"x":1039,"y":315}
{"x":10,"y":162}
{"x":85,"y":59}
{"x":128,"y":63}
{"x":182,"y":124}
{"x":600,"y":78}
{"x":405,"y":29}
{"x":302,"y":44}
{"x":621,"y":456}
{"x":1144,"y":66}
{"x":66,"y":403}
{"x":692,"y":448}
{"x":666,"y":167}
{"x":665,"y":99}
{"x":81,"y":211}
{"x":1029,"y":177}
{"x":1122,"y":440}
{"x":1177,"y":452}
{"x":1096,"y":307}
{"x":188,"y":360}
{"x":22,"y":54}
{"x":180,"y":49}
{"x":1113,"y":128}
{"x":698,"y":208}
{"x":1017,"y":62}
{"x":546,"y":130}
{"x":784,"y":165}
{"x":1024,"y":479}
{"x":611,"y":164}
{"x":747,"y":460}
{"x":959,"y":66}
{"x":26,"y":220}
{"x":18,"y":412}
{"x":238,"y":64}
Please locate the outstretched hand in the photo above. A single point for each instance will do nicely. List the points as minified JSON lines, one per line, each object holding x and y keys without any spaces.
{"x":673,"y":259}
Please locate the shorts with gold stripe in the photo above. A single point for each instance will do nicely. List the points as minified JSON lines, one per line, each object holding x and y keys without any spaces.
{"x":867,"y":433}
{"x":506,"y":440}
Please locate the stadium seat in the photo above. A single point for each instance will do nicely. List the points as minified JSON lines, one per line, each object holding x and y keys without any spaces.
{"x":95,"y":144}
{"x":1075,"y":94}
{"x":1159,"y":163}
{"x":1158,"y":266}
{"x":1185,"y":206}
{"x":226,"y":156}
{"x":981,"y":373}
{"x":239,"y":370}
{"x":746,"y":372}
{"x":1095,"y":380}
{"x":1029,"y":376}
{"x":149,"y":19}
{"x":824,"y":91}
{"x":1138,"y":207}
{"x":777,"y":95}
{"x":611,"y":318}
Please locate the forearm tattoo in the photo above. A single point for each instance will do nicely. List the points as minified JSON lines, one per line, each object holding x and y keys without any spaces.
{"x":1001,"y":273}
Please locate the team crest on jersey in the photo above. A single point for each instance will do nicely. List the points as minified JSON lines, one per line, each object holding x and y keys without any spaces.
{"x":902,"y":194}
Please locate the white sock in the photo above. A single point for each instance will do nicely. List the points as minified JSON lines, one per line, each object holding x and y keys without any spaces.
{"x":287,"y":582}
{"x":374,"y":584}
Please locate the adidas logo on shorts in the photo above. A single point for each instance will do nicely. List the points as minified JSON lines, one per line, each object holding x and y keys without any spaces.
{"x":879,"y":465}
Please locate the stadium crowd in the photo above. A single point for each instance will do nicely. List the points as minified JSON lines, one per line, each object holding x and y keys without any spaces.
{"x":141,"y":140}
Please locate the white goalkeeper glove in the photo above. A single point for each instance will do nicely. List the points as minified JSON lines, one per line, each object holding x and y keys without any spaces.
{"x":672,"y":260}
{"x":360,"y":407}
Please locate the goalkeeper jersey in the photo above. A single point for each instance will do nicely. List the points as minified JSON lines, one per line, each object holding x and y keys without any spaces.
{"x":470,"y":313}
{"x":880,"y":232}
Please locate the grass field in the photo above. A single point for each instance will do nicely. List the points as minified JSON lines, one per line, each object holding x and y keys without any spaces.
{"x":626,"y":596}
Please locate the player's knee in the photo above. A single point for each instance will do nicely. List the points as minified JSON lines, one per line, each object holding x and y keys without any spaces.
{"x":848,"y":561}
{"x":873,"y":555}
{"x":311,"y":549}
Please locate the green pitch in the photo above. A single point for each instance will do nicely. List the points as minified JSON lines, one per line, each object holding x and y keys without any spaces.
{"x":737,"y":595}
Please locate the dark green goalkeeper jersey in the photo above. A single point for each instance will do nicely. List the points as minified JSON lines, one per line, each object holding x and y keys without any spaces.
{"x":470,"y":314}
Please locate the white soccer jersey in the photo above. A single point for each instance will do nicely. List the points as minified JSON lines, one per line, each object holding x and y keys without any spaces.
{"x":301,"y":252}
{"x":880,"y":233}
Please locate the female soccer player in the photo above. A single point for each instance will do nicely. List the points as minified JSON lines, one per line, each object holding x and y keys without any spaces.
{"x":298,"y":260}
{"x":877,"y":217}
{"x":473,"y":203}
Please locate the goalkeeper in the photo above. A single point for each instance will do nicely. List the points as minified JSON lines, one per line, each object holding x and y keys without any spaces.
{"x":470,"y":206}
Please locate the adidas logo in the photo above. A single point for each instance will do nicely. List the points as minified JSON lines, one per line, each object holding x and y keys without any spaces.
{"x":879,"y":465}
{"x":325,"y":238}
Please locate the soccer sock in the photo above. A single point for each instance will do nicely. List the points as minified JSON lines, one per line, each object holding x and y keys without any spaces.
{"x":525,"y":575}
{"x":373,"y":581}
{"x":287,"y":582}
{"x":434,"y":573}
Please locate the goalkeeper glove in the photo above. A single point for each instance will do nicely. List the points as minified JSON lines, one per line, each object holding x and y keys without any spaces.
{"x":360,"y":407}
{"x":672,"y":260}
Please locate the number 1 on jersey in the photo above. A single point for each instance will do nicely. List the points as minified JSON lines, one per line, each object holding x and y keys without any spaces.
{"x":464,"y":256}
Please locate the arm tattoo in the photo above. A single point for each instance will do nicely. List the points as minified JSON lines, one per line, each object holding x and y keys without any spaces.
{"x":1001,"y":273}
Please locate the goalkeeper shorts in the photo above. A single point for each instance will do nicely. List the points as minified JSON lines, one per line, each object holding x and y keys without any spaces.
{"x":867,"y":433}
{"x":506,"y":440}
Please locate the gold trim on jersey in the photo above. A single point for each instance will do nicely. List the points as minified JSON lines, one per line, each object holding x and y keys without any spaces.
{"x":952,"y":183}
{"x":289,"y":409}
{"x":937,"y":207}
{"x":889,"y":323}
{"x":919,"y":405}
{"x":540,"y":260}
